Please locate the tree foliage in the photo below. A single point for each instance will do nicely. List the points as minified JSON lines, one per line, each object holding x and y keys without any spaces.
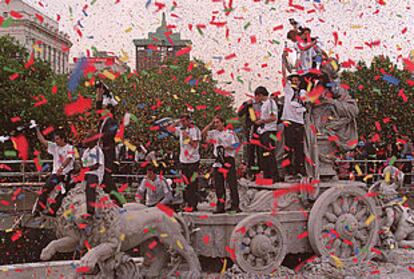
{"x":385,"y":96}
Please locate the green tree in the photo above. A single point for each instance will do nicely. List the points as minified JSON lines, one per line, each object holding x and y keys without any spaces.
{"x":385,"y":98}
{"x":29,"y":89}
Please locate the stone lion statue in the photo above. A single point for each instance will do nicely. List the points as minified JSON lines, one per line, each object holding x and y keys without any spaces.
{"x":161,"y":239}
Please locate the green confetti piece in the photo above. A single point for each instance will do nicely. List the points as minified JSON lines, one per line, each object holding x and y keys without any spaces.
{"x":144,"y":72}
{"x":273,"y":137}
{"x":247,"y":25}
{"x":7,"y":22}
{"x":93,"y":2}
{"x":200,"y":31}
{"x":134,"y":118}
{"x":194,"y":177}
{"x":254,"y":168}
{"x":240,"y":80}
{"x":233,"y":121}
{"x":174,"y":67}
{"x":119,"y":197}
{"x":10,"y":153}
{"x":275,"y":42}
{"x":392,"y":161}
{"x":10,"y":70}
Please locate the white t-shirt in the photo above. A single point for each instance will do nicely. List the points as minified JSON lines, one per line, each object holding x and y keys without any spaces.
{"x":189,"y":154}
{"x":155,"y":191}
{"x":60,"y":154}
{"x":91,"y":157}
{"x":269,"y":108}
{"x":293,"y":109}
{"x":225,"y":138}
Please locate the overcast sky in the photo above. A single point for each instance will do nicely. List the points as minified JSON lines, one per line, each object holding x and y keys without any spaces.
{"x":112,"y":25}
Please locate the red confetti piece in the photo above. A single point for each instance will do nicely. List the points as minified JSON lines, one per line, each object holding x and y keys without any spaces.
{"x":16,"y":15}
{"x":279,"y":27}
{"x":82,"y":269}
{"x":22,"y":146}
{"x":411,"y":269}
{"x":15,"y":119}
{"x":4,"y":202}
{"x":54,"y":89}
{"x":41,"y":100}
{"x":183,"y":51}
{"x":285,"y":163}
{"x":14,"y":76}
{"x":87,"y":245}
{"x":402,"y":95}
{"x":303,"y":235}
{"x":16,"y":235}
{"x":206,"y":239}
{"x":123,"y":187}
{"x":153,"y":244}
{"x":166,"y":210}
{"x":253,"y":39}
{"x":48,"y":130}
{"x":80,"y":106}
{"x":39,"y":18}
{"x":231,"y":252}
{"x":230,"y":56}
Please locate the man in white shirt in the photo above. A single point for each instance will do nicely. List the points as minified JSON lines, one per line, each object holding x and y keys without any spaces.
{"x":93,"y":160}
{"x":154,"y":188}
{"x":267,"y":131}
{"x":63,"y":162}
{"x":225,"y":143}
{"x":293,"y":118}
{"x":189,"y":136}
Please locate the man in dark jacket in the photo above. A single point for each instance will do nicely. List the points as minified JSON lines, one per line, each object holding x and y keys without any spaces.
{"x":250,"y":110}
{"x":108,"y":127}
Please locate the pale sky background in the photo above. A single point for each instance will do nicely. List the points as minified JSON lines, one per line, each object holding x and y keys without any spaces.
{"x":112,"y":25}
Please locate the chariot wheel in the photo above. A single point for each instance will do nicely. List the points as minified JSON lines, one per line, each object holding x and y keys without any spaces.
{"x":343,"y":225}
{"x":259,"y":244}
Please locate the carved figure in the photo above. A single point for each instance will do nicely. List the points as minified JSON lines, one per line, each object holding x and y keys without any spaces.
{"x":112,"y":231}
{"x":397,"y":221}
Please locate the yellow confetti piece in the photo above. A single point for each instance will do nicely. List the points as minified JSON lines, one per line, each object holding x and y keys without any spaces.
{"x":223,"y":269}
{"x":37,"y":48}
{"x":129,"y":29}
{"x":154,"y":162}
{"x":358,"y":169}
{"x":370,"y":219}
{"x":252,"y":114}
{"x":122,"y":237}
{"x":193,"y":90}
{"x":265,"y":154}
{"x":388,"y":177}
{"x":180,"y":245}
{"x":117,"y":139}
{"x":67,"y":213}
{"x":369,"y":176}
{"x":337,"y":261}
{"x":130,"y":146}
{"x":186,"y":141}
{"x":109,"y":75}
{"x":9,"y":230}
{"x":117,"y":98}
{"x":356,"y":26}
{"x":207,"y":176}
{"x":175,"y":97}
{"x":102,"y":230}
{"x":163,"y":235}
{"x":164,"y":165}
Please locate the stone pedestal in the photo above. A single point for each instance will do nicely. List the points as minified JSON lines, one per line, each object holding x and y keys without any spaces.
{"x":326,"y":149}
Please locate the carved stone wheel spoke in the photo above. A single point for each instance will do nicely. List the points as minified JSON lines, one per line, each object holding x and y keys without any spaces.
{"x":341,"y":223}
{"x":262,"y":248}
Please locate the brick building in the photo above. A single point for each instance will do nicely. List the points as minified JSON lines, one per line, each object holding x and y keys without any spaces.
{"x":152,"y":51}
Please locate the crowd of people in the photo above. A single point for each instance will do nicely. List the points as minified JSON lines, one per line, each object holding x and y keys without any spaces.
{"x":268,"y":119}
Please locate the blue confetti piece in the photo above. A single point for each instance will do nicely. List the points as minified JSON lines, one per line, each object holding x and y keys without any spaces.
{"x":147,"y":4}
{"x":141,"y":106}
{"x":192,"y":82}
{"x":173,"y":172}
{"x":80,"y":24}
{"x":90,"y":37}
{"x":84,"y":12}
{"x":390,"y":79}
{"x":45,"y":167}
{"x":77,"y":74}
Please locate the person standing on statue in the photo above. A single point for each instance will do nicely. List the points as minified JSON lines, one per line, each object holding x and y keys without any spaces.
{"x":190,"y":136}
{"x":293,"y":118}
{"x":63,"y":163}
{"x":107,"y":130}
{"x":225,"y":143}
{"x":267,"y":131}
{"x":250,"y":110}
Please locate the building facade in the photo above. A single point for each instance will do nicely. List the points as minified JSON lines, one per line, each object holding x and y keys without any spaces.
{"x":152,"y":51}
{"x":103,"y":60}
{"x":38,"y":33}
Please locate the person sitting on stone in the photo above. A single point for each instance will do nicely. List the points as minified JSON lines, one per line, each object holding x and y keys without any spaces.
{"x":154,"y":189}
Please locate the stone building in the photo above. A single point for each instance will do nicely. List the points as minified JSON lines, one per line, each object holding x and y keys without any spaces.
{"x":102,"y":60}
{"x":152,"y":51}
{"x":37,"y":32}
